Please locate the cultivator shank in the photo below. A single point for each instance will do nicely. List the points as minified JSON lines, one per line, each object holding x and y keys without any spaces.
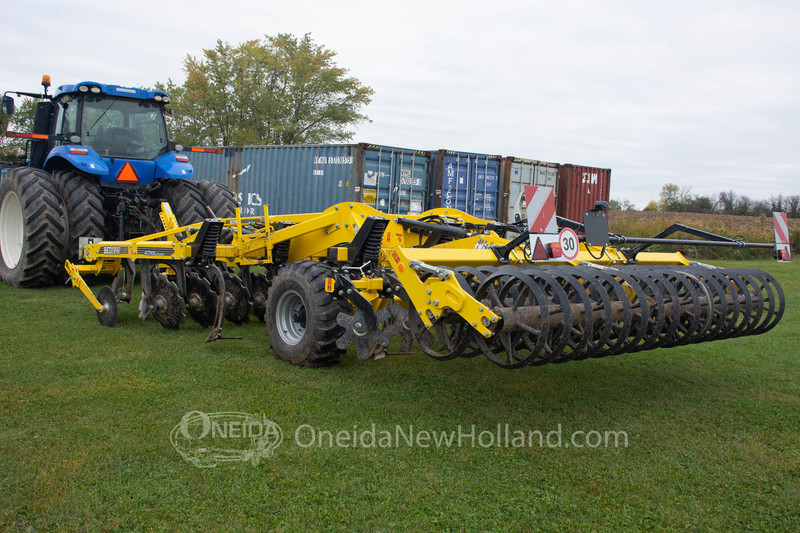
{"x":443,"y":279}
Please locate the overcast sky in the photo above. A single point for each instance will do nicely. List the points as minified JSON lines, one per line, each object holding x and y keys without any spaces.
{"x":705,"y":94}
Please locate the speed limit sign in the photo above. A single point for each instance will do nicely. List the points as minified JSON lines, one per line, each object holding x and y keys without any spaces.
{"x":568,"y":240}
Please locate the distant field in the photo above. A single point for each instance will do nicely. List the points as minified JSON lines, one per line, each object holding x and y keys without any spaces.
{"x":712,"y":430}
{"x":753,"y":229}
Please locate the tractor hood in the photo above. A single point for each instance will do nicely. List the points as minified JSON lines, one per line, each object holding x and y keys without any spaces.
{"x":119,"y":170}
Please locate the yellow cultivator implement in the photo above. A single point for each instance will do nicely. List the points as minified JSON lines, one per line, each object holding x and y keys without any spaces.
{"x":454,"y":284}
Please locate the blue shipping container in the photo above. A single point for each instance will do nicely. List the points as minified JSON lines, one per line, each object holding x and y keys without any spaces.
{"x":290,"y":179}
{"x":311,"y":178}
{"x":468,"y":181}
{"x":394,"y":180}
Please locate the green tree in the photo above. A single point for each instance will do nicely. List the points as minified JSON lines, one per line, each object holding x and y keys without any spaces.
{"x":280,"y":90}
{"x":700,"y":204}
{"x":669,"y":199}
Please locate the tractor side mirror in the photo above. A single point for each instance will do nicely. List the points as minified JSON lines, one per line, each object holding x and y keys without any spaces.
{"x":8,"y":106}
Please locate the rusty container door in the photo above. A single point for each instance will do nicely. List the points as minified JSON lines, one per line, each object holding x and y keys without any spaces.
{"x":579,"y":187}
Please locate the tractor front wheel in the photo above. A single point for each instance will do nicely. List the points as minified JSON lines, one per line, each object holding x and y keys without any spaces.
{"x":32,"y":229}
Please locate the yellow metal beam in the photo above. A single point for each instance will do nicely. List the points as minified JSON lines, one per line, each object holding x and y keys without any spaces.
{"x":435,"y":294}
{"x":78,"y":281}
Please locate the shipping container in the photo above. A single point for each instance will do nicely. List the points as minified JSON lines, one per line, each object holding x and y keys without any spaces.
{"x":518,"y":172}
{"x":290,"y":179}
{"x":579,"y":187}
{"x":393,"y":180}
{"x":311,"y":178}
{"x":467,"y":181}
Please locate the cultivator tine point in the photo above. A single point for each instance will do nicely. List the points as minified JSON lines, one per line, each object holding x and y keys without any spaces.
{"x":219,"y":313}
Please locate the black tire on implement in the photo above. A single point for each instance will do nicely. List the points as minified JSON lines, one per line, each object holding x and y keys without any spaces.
{"x":33,"y":231}
{"x":86,"y":216}
{"x":301,"y":316}
{"x":219,"y":198}
{"x":185,"y":199}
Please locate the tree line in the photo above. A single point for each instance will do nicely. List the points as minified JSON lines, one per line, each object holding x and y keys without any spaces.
{"x":680,"y":199}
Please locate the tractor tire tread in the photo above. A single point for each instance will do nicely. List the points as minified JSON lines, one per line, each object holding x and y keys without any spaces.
{"x":185,"y":199}
{"x":218,"y":197}
{"x":83,"y":202}
{"x":320,"y":350}
{"x":45,"y":229}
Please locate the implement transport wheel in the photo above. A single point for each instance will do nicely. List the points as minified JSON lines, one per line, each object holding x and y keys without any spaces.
{"x":184,"y":198}
{"x":301,"y":316}
{"x":32,"y":229}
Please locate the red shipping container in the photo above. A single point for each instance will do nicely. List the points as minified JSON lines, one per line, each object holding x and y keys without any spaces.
{"x":579,"y":188}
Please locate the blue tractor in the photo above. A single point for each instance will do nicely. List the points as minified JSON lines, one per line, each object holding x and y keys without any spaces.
{"x":98,"y":164}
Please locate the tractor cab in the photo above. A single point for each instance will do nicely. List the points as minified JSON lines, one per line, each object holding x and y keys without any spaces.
{"x":113,"y":126}
{"x":116,"y":135}
{"x":121,"y":131}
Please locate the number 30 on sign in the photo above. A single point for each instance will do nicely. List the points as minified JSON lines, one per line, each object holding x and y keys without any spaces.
{"x":568,"y":240}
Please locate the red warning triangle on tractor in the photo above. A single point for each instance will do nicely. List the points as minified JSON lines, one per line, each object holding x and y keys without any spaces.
{"x":539,"y":253}
{"x":127,"y":174}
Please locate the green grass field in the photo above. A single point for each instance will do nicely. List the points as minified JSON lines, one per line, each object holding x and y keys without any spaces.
{"x":86,"y":412}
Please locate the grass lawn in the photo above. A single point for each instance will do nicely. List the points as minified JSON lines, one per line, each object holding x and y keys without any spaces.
{"x":85,"y":416}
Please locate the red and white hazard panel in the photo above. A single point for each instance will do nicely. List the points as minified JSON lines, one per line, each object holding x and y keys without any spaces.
{"x":541,"y":209}
{"x":782,"y":249}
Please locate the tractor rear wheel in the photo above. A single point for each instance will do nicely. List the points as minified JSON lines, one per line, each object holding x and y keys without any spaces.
{"x":185,"y":199}
{"x":301,"y":316}
{"x":32,"y":229}
{"x":219,"y":198}
{"x":221,"y":201}
{"x":84,"y":207}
